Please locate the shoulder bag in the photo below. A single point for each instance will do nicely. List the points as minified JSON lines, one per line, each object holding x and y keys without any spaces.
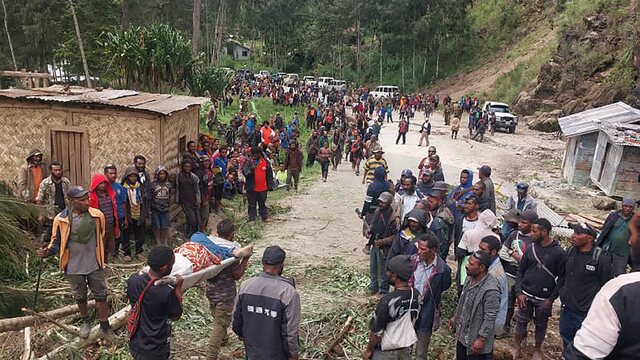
{"x":400,"y":334}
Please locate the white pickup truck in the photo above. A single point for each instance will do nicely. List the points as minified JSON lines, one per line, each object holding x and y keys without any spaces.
{"x":504,"y":118}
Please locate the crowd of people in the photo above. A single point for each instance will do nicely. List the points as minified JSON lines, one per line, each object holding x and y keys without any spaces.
{"x":505,"y":276}
{"x":423,"y":236}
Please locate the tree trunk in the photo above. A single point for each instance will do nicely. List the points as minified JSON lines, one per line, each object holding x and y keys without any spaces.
{"x":438,"y":60}
{"x":6,"y":29}
{"x":358,"y":61}
{"x":79,"y":37}
{"x":218,"y":31}
{"x":195,"y":37}
{"x":125,"y":15}
{"x":19,"y":323}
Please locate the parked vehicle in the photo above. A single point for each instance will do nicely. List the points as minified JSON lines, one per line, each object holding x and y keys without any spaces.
{"x":504,"y":118}
{"x":324,"y":81}
{"x":309,"y":80}
{"x":337,"y":85}
{"x":290,"y":79}
{"x":263,"y":74}
{"x":386,"y":91}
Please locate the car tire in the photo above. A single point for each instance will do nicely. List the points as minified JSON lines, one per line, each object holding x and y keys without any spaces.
{"x":512,"y":130}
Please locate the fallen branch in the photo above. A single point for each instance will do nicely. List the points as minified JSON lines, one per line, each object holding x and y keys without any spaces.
{"x":55,"y":322}
{"x":26,"y":354}
{"x":343,"y":332}
{"x":119,"y":319}
{"x":19,"y":323}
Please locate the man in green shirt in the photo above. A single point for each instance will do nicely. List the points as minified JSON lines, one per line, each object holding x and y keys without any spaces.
{"x":615,"y":234}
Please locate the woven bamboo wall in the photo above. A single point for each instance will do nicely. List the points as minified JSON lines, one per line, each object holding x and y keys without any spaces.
{"x":116,"y":139}
{"x":183,"y":123}
{"x":21,"y":130}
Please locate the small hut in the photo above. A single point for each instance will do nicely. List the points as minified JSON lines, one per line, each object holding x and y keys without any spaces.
{"x":85,"y":129}
{"x":616,"y":163}
{"x":581,"y":130}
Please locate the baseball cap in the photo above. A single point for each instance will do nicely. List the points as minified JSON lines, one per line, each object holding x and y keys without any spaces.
{"x":273,"y":255}
{"x":440,"y":185}
{"x":529,"y":215}
{"x":628,"y":202}
{"x":485,"y":169}
{"x":583,"y":228}
{"x":401,"y":265}
{"x":407,"y":172}
{"x":520,"y":187}
{"x":75,"y":192}
{"x":385,"y":197}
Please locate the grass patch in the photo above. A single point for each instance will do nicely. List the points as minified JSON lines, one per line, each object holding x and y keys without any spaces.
{"x":510,"y":84}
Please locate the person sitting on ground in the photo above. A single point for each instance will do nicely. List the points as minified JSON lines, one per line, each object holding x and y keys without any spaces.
{"x":159,"y":304}
{"x":281,"y":177}
{"x":403,"y":301}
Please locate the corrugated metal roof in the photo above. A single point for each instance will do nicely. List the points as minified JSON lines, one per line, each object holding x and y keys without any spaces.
{"x":588,"y":121}
{"x":163,"y":104}
{"x":623,"y":134}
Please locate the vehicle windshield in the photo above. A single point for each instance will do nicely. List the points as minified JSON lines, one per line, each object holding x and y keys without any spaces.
{"x":499,"y":108}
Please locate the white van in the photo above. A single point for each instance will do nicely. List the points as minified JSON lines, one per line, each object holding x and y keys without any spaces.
{"x":386,"y":91}
{"x":324,"y":81}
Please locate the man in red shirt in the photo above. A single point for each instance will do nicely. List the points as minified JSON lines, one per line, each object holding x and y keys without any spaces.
{"x":259,"y":177}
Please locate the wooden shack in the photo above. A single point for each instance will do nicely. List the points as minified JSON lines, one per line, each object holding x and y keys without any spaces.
{"x":616,"y":163}
{"x":85,"y":129}
{"x":581,"y":131}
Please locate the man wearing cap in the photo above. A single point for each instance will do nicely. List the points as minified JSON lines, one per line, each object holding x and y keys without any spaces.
{"x":259,"y":179}
{"x":536,"y":285}
{"x":586,"y":269}
{"x":520,"y":201}
{"x":510,"y":255}
{"x":404,"y":174}
{"x":437,"y":208}
{"x":615,"y":235}
{"x":432,"y":277}
{"x":266,"y":316}
{"x":484,"y":172}
{"x":382,"y":232}
{"x":372,"y":163}
{"x":31,"y":175}
{"x":478,"y":306}
{"x":78,"y":239}
{"x":392,"y":307}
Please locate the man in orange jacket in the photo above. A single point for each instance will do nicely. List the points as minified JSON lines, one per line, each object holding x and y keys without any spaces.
{"x":77,"y":238}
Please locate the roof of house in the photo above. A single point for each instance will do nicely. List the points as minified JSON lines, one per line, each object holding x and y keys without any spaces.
{"x":162,"y":104}
{"x":623,"y":134}
{"x":238,"y":43}
{"x":588,"y":121}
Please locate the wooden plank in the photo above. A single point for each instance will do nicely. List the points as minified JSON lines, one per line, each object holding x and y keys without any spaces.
{"x":86,"y":157}
{"x":77,"y":137}
{"x":23,"y":74}
{"x":67,"y":147}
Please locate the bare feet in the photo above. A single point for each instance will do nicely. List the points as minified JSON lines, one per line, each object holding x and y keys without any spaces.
{"x":244,"y":251}
{"x":515,"y":353}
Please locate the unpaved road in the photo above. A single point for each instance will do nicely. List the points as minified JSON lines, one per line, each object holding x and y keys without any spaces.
{"x":322,"y":223}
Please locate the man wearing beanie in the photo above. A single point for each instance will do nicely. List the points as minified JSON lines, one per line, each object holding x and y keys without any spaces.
{"x":267,"y":311}
{"x":158,"y":304}
{"x":615,"y":234}
{"x":391,"y":308}
{"x":478,"y":306}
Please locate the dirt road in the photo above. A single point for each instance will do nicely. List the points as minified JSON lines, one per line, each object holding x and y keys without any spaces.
{"x":322,"y":225}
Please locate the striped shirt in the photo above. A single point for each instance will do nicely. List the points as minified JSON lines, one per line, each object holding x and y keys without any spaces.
{"x":370,"y":166}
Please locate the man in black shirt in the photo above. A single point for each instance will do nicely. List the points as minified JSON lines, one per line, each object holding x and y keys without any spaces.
{"x":540,"y":267}
{"x":159,"y":304}
{"x":391,"y":308}
{"x":587,"y":269}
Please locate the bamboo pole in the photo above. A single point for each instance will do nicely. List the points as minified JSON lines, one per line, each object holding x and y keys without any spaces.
{"x":118,"y":319}
{"x":6,"y":29}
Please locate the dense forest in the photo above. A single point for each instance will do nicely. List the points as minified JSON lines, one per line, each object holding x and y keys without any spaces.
{"x":410,"y":43}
